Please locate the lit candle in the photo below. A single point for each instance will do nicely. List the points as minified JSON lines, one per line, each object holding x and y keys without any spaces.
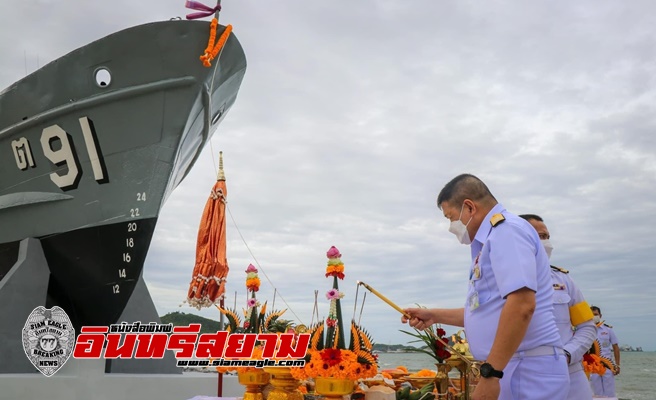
{"x":383,"y":298}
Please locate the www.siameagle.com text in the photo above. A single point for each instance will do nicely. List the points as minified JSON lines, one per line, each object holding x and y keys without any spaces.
{"x":266,"y":362}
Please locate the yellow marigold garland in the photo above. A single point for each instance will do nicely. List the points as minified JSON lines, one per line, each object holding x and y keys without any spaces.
{"x":592,"y":364}
{"x":210,"y":41}
{"x":348,"y":367}
{"x":253,"y":284}
{"x":212,"y":50}
{"x":332,"y":270}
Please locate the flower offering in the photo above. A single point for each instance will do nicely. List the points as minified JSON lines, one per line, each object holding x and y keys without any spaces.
{"x":328,"y":356}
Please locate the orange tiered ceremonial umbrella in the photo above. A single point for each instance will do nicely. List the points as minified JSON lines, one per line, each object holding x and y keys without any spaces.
{"x":207,"y":285}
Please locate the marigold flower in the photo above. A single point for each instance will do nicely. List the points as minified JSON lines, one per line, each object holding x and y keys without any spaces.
{"x":253,"y":284}
{"x":335,"y":270}
{"x":324,"y":364}
{"x":592,"y":364}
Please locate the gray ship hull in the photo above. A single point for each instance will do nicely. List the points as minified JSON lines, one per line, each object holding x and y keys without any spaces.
{"x":91,"y":146}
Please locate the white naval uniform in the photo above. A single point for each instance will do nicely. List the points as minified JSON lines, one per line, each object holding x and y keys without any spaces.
{"x":507,"y":257}
{"x":576,"y":328}
{"x":604,"y":385}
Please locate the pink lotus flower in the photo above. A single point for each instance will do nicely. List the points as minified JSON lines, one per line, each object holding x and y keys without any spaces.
{"x":251,"y":303}
{"x":332,"y":294}
{"x":333,"y":252}
{"x":251,"y":268}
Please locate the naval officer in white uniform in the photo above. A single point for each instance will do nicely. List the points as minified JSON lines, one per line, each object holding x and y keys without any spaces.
{"x":573,"y":317}
{"x":604,"y":385}
{"x":508,"y":314}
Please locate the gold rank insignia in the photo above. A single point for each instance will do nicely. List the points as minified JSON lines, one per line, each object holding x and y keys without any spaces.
{"x":563,"y":270}
{"x":497,"y":219}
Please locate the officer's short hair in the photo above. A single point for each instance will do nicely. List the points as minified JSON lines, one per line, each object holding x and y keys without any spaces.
{"x":595,"y":308}
{"x":533,"y":217}
{"x":465,"y":186}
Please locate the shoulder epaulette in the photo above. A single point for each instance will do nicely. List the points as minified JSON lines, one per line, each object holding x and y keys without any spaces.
{"x":497,"y":219}
{"x":563,"y":270}
{"x":610,"y":326}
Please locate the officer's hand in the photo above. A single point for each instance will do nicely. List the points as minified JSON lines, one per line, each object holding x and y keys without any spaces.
{"x":617,"y":370}
{"x":487,"y":389}
{"x":420,"y":318}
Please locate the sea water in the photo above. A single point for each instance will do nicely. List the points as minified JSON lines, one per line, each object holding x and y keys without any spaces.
{"x":637,"y":380}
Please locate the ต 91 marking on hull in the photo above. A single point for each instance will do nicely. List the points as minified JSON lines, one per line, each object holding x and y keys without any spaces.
{"x":58,"y":147}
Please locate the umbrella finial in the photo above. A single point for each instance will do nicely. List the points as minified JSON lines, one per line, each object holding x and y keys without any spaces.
{"x":221,"y":176}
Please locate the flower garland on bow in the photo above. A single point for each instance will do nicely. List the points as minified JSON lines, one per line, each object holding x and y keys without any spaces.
{"x":329,"y":357}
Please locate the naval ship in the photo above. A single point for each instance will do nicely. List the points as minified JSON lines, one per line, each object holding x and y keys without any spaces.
{"x":91,"y":146}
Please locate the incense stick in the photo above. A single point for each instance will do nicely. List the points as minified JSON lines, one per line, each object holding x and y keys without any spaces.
{"x":383,"y":298}
{"x":399,"y":309}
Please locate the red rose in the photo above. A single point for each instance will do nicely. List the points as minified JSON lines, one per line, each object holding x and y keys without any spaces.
{"x":331,"y":356}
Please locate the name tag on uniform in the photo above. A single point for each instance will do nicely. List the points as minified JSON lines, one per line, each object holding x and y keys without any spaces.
{"x":559,"y":286}
{"x":473,"y":301}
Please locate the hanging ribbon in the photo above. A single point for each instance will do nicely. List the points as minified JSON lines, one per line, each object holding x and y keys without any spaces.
{"x":204,"y":11}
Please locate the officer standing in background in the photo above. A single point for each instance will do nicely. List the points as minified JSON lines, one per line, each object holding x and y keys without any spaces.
{"x":508,"y":314}
{"x":604,"y":385}
{"x":573,"y":317}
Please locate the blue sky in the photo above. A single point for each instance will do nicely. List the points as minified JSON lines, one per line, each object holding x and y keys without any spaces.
{"x":353,"y":115}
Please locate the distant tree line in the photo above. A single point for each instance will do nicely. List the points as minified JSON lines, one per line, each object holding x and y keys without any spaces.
{"x":392,"y":347}
{"x":184,"y":319}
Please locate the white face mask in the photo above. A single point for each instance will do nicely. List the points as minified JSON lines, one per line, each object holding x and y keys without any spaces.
{"x":596,"y":319}
{"x":548,"y":247}
{"x":459,"y":229}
